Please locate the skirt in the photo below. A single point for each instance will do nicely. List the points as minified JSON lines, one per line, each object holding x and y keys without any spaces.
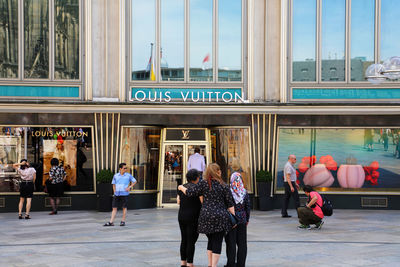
{"x":56,"y":190}
{"x":26,"y":189}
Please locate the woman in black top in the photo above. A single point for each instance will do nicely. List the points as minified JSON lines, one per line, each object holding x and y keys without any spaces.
{"x":57,"y":176}
{"x":188,"y":216}
{"x":214,"y":218}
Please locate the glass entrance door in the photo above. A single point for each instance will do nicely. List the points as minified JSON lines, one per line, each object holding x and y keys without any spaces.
{"x":178,"y":159}
{"x":173,"y":172}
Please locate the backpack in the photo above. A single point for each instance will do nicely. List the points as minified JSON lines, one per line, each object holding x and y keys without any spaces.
{"x":327,"y":207}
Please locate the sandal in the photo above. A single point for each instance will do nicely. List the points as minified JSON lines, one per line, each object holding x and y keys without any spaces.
{"x":109,"y":224}
{"x":20,"y":216}
{"x":27,"y":217}
{"x":122,"y":223}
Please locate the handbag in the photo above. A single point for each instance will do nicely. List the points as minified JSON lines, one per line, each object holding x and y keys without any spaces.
{"x":234,"y":219}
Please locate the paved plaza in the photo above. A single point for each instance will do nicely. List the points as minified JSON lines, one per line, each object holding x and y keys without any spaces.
{"x":151,"y":238}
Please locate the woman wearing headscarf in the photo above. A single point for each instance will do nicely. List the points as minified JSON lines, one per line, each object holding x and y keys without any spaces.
{"x":214,"y":220}
{"x":236,"y":239}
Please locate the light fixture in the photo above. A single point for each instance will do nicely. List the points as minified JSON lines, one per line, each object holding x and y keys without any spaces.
{"x":378,"y":73}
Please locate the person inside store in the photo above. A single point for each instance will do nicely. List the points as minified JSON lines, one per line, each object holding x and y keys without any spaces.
{"x":236,"y":239}
{"x":188,"y":215}
{"x":55,"y":184}
{"x":122,"y":183}
{"x":197,"y":161}
{"x":26,"y":186}
{"x":290,"y":185}
{"x":214,"y":219}
{"x":312,"y":212}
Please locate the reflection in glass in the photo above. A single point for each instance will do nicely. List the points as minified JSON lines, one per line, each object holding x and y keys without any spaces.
{"x":303,"y":40}
{"x":143,"y":39}
{"x":359,"y":159}
{"x":333,"y":40}
{"x":140,"y":150}
{"x":362,"y":37}
{"x":230,"y":40}
{"x":66,"y":22}
{"x":390,"y":30}
{"x":8,"y":38}
{"x":71,"y":146}
{"x":173,"y":172}
{"x":172,"y":40}
{"x":230,"y":145}
{"x":36,"y":39}
{"x":201,"y":17}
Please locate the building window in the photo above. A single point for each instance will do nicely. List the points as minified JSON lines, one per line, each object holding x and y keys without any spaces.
{"x":348,"y":35}
{"x":229,"y":145}
{"x":140,"y":150}
{"x":72,"y":146}
{"x":342,"y":159}
{"x":199,"y":41}
{"x":49,"y":34}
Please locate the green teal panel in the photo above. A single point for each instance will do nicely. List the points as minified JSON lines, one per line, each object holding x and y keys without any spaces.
{"x":39,"y":91}
{"x":346,"y":93}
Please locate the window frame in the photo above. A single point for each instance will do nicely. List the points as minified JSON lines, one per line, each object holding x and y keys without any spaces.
{"x":51,"y":80}
{"x":318,"y":83}
{"x":187,"y":81}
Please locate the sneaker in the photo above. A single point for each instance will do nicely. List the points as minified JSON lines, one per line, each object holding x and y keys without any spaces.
{"x":319,"y":225}
{"x":122,"y":223}
{"x":303,"y":227}
{"x":109,"y":224}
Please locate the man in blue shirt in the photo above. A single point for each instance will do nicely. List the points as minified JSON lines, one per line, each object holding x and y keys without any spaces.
{"x":122,"y":183}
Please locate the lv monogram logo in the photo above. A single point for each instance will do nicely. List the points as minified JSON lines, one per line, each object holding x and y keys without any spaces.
{"x":185,"y":134}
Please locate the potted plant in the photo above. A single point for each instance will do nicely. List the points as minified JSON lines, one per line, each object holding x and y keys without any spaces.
{"x":264,"y":181}
{"x":104,"y":190}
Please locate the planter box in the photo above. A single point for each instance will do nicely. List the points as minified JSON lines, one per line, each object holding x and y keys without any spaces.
{"x":265,"y":201}
{"x":104,"y":197}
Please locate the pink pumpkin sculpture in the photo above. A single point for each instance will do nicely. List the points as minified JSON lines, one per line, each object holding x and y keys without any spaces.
{"x":318,"y":175}
{"x":351,"y":176}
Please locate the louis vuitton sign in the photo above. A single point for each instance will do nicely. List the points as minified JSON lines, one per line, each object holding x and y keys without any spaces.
{"x":185,"y":135}
{"x":187,"y":95}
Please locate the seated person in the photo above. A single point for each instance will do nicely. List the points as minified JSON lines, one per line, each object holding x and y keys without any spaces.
{"x":312,"y":212}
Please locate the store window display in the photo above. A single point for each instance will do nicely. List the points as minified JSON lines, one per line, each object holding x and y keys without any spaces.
{"x":342,"y":159}
{"x":230,"y":145}
{"x":72,"y":146}
{"x":140,"y":150}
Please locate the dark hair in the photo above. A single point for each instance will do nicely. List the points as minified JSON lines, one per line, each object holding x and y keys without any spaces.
{"x":307,"y":188}
{"x":192,"y":175}
{"x":54,"y":162}
{"x":197,"y":150}
{"x":22,"y":160}
{"x":121,"y":165}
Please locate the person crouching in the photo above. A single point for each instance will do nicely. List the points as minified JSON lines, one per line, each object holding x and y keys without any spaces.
{"x":312,"y":212}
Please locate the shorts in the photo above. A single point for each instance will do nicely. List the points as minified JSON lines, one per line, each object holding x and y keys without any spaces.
{"x":26,"y":189}
{"x":120,"y":199}
{"x":56,"y":190}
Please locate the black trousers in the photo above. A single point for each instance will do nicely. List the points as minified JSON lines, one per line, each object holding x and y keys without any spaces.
{"x":288,"y":194}
{"x":189,"y":237}
{"x":236,"y":238}
{"x":215,"y":242}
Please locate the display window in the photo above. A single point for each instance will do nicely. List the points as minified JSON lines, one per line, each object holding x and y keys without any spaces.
{"x":231,"y":146}
{"x":140,"y":150}
{"x":342,"y":159}
{"x":72,"y":146}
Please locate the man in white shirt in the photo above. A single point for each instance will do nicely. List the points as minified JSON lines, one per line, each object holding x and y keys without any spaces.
{"x":291,"y":187}
{"x":197,"y":161}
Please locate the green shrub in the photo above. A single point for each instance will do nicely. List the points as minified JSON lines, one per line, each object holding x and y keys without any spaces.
{"x":263,"y":176}
{"x":104,"y":177}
